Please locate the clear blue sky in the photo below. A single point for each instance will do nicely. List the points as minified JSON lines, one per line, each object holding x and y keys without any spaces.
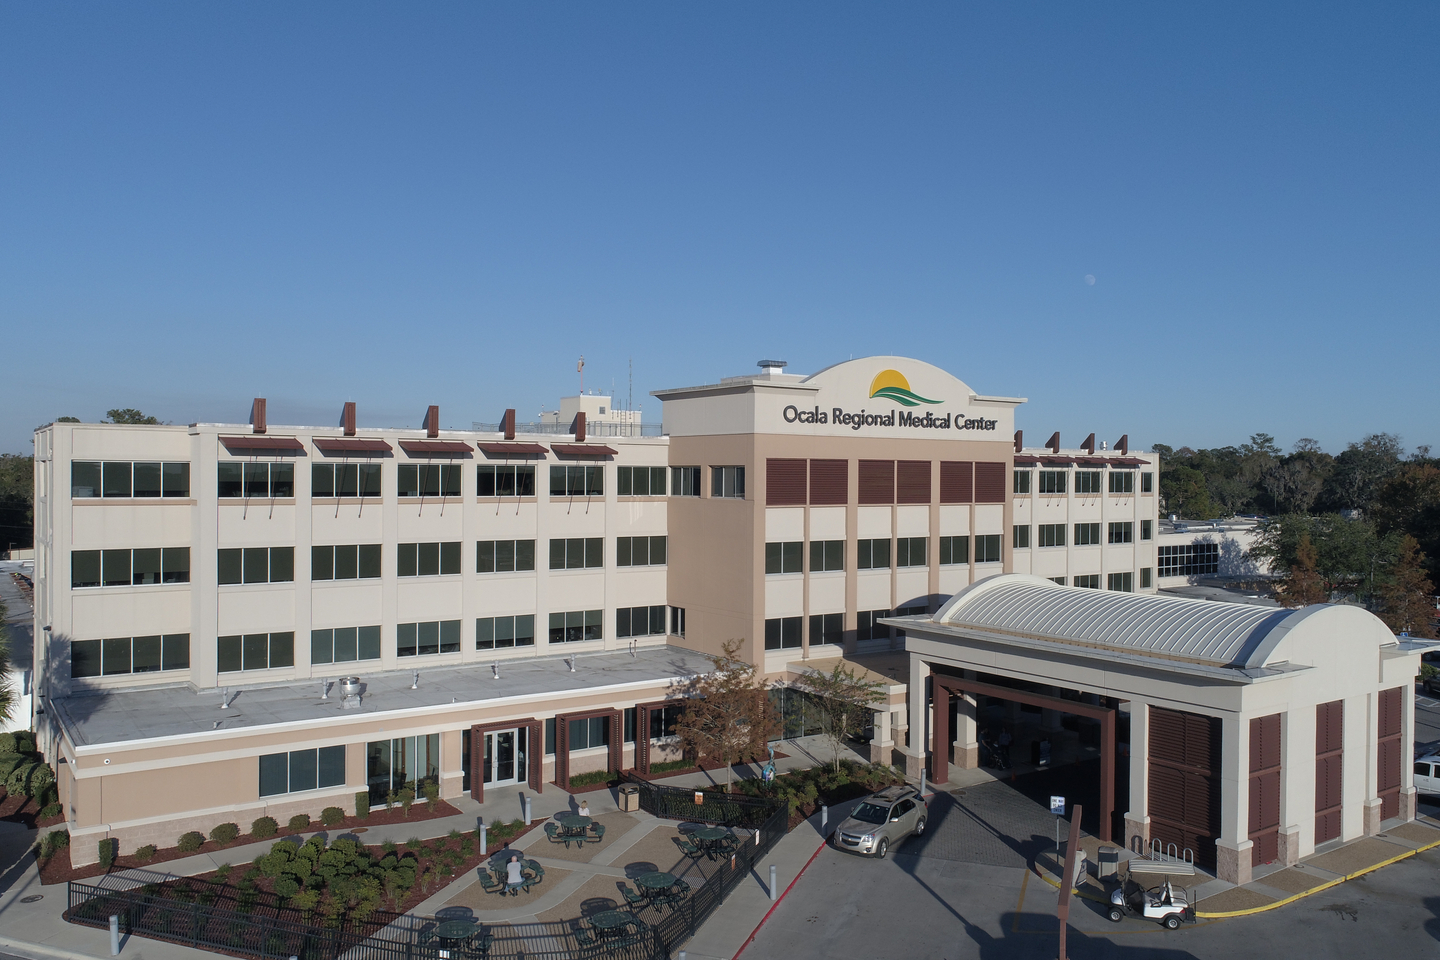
{"x":405,"y":204}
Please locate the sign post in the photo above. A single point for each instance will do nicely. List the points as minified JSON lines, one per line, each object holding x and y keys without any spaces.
{"x":1057,"y":807}
{"x":1067,"y":873}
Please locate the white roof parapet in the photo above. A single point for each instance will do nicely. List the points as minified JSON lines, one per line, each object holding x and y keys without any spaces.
{"x":1201,"y":631}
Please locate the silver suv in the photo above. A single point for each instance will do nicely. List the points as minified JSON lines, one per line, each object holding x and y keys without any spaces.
{"x":883,"y":819}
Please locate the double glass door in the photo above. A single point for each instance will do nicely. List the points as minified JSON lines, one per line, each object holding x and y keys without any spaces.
{"x":505,"y":756}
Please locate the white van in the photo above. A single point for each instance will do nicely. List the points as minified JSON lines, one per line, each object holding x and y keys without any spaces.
{"x":1427,"y":775}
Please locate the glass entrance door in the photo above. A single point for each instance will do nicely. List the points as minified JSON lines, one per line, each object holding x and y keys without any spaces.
{"x":505,"y":756}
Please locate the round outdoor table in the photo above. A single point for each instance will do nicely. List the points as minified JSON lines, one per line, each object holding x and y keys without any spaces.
{"x":656,"y":881}
{"x":573,"y":821}
{"x":711,"y":834}
{"x":612,"y":920}
{"x":456,"y":929}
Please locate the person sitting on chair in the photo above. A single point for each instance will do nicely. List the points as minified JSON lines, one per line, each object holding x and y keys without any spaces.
{"x":513,"y":877}
{"x":584,"y":808}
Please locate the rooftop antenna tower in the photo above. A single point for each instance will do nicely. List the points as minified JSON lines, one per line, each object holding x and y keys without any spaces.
{"x":630,"y":403}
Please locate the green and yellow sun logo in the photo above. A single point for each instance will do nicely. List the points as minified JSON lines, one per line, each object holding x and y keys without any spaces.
{"x":892,"y":385}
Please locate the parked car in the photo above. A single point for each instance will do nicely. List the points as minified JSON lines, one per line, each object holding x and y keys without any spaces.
{"x":1427,"y":774}
{"x":882,"y":820}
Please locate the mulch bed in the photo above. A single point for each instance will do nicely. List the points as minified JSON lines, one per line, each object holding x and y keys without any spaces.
{"x":57,"y":868}
{"x":24,"y":810}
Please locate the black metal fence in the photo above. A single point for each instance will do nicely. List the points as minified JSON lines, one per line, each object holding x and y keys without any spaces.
{"x":210,"y":917}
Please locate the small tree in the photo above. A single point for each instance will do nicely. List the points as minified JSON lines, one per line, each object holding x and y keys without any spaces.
{"x":129,"y":415}
{"x":1304,"y":586}
{"x":728,"y":716}
{"x":844,"y":700}
{"x":1407,"y":599}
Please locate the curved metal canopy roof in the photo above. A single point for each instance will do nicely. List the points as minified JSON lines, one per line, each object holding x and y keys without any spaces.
{"x":1178,"y":628}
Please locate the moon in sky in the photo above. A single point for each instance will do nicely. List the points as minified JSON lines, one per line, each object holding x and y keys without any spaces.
{"x":1090,"y":279}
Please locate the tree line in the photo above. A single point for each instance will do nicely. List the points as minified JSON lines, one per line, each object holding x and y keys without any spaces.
{"x":1361,"y":526}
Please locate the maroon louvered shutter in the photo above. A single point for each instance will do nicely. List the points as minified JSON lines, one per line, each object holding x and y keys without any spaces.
{"x":990,"y":482}
{"x":957,"y":481}
{"x":1265,"y":789}
{"x":1329,"y":768}
{"x":877,"y":481}
{"x":1389,"y":753}
{"x":785,"y":482}
{"x":829,"y":482}
{"x":912,"y":481}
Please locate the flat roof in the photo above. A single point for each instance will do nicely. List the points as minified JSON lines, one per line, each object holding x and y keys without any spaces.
{"x":148,"y":713}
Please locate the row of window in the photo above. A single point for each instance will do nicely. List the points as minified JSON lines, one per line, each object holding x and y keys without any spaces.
{"x":125,"y":478}
{"x":783,"y":633}
{"x":123,"y":568}
{"x":1087,"y":482}
{"x":1086,"y":534}
{"x":1190,"y":560}
{"x":125,"y":655}
{"x":826,"y":555}
{"x":275,"y":480}
{"x":1121,"y":582}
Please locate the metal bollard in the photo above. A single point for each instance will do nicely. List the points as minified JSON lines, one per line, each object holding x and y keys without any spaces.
{"x":922,"y":781}
{"x":824,"y":817}
{"x":527,"y":811}
{"x":114,"y":934}
{"x":774,"y":884}
{"x":483,"y":838}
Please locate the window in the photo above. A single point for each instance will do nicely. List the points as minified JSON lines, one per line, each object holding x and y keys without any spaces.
{"x":1087,"y":534}
{"x":1090,"y":581}
{"x":576,"y":625}
{"x":255,"y":651}
{"x":124,"y":568}
{"x":240,"y":478}
{"x":954,"y":550}
{"x":1122,"y":481}
{"x":577,"y":553}
{"x":912,"y":551}
{"x":428,"y":559}
{"x":784,"y":557}
{"x":505,"y":480}
{"x":427,"y":637}
{"x":677,"y":621}
{"x":640,"y":621}
{"x":827,"y":628}
{"x":503,"y":633}
{"x":1022,"y":481}
{"x":1147,"y":577}
{"x":640,"y":481}
{"x":345,"y":644}
{"x":1087,"y":482}
{"x":345,"y":562}
{"x":662,"y":721}
{"x":1121,"y":582}
{"x":256,"y":565}
{"x":302,"y":770}
{"x":124,"y":655}
{"x":147,"y":478}
{"x":1147,"y":529}
{"x":684,"y":481}
{"x":1052,"y":481}
{"x":868,"y":626}
{"x":1190,"y":560}
{"x":504,"y":556}
{"x":827,"y":555}
{"x":427,"y":480}
{"x":640,"y":551}
{"x":1122,"y":532}
{"x":727,"y":482}
{"x":782,"y":633}
{"x":344,"y":480}
{"x":589,"y":732}
{"x":1021,"y":539}
{"x":1052,"y":534}
{"x":1147,"y":482}
{"x":391,"y":765}
{"x":872,"y":554}
{"x":577,"y":481}
{"x":987,"y":548}
{"x":1059,"y":580}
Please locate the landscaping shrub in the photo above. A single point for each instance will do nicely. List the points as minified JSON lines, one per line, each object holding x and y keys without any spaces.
{"x":146,"y":853}
{"x":24,"y":741}
{"x":54,"y":840}
{"x":331,"y":816}
{"x":301,"y":821}
{"x":107,"y":853}
{"x":8,"y":763}
{"x":190,"y":842}
{"x":666,"y":766}
{"x":42,"y":780}
{"x":362,"y":804}
{"x":592,"y":778}
{"x":407,"y":797}
{"x":225,"y":832}
{"x":7,"y":743}
{"x":264,"y":828}
{"x":286,"y":886}
{"x":432,"y":795}
{"x":18,"y":782}
{"x":223,"y":871}
{"x":50,"y":810}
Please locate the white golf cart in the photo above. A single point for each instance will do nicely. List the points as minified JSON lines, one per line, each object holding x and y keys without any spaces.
{"x":1142,"y":896}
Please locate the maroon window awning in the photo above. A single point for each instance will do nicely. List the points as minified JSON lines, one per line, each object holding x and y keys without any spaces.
{"x":1059,"y":460}
{"x":1094,"y":461}
{"x":431,"y":448}
{"x":1127,"y":462}
{"x":582,"y":450}
{"x":261,"y":442}
{"x":351,"y":445}
{"x":512,"y":449}
{"x":1025,"y":460}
